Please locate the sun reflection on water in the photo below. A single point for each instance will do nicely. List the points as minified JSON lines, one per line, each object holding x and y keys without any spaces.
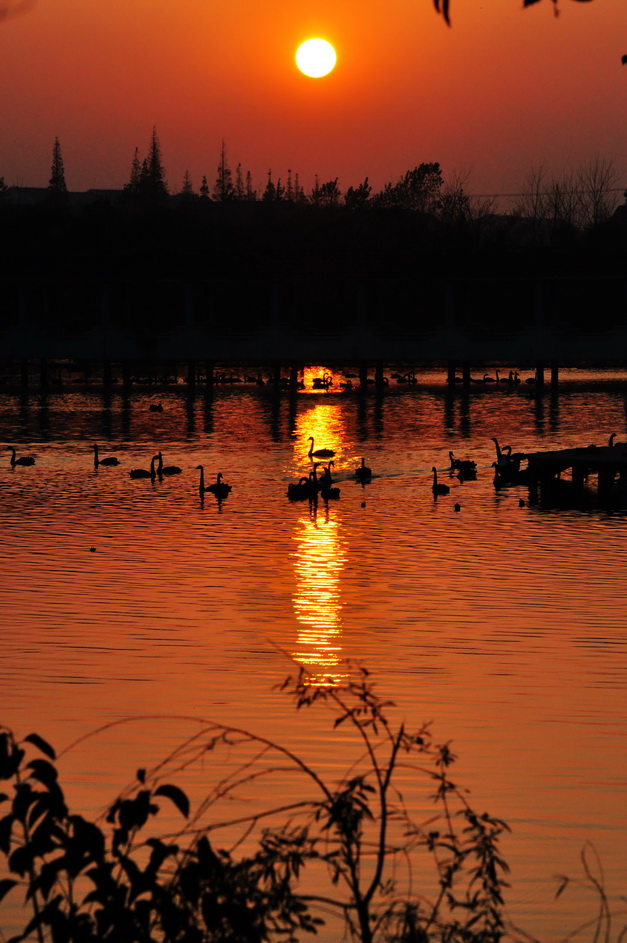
{"x":318,"y":562}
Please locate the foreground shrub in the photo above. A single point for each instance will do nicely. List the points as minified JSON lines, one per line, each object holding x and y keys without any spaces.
{"x":113,"y":880}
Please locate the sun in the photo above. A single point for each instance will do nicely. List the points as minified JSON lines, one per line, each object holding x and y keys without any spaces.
{"x":315,"y":57}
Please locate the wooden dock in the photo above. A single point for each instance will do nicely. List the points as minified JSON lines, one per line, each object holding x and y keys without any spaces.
{"x":608,"y":463}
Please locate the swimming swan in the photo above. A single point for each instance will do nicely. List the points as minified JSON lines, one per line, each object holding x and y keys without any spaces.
{"x":166,"y":469}
{"x":142,"y":473}
{"x":363,"y":472}
{"x":24,"y":460}
{"x":109,"y":460}
{"x":219,"y":487}
{"x":436,"y":488}
{"x":319,"y":453}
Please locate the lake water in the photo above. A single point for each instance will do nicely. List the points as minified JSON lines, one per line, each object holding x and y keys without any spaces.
{"x":502,"y":623}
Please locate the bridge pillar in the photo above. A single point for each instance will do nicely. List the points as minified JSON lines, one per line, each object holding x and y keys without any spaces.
{"x":209,"y":373}
{"x":363,"y":374}
{"x":378,"y":375}
{"x":540,"y":374}
{"x":190,"y":307}
{"x":293,"y":377}
{"x":465,"y":373}
{"x":276,"y":308}
{"x":450,"y":373}
{"x":191,"y":373}
{"x":449,"y":306}
{"x":554,"y":373}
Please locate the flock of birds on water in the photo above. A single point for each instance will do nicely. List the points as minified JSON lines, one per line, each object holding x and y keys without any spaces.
{"x":316,"y":483}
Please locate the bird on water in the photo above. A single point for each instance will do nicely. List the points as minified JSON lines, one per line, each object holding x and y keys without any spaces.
{"x":219,"y":487}
{"x":108,"y":461}
{"x":22,"y":460}
{"x":438,"y":488}
{"x":166,"y":469}
{"x":363,"y":472}
{"x":319,"y":453}
{"x":143,"y":473}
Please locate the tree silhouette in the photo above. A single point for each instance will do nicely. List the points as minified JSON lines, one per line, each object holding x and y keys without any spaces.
{"x":223,"y":189}
{"x":152,"y":183}
{"x":358,"y":196}
{"x":443,"y":7}
{"x":57,"y":189}
{"x":418,"y":190}
{"x":134,"y":180}
{"x":57,"y":173}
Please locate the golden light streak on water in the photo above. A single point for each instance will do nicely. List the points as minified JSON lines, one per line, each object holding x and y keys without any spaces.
{"x":319,"y":559}
{"x":325,"y":422}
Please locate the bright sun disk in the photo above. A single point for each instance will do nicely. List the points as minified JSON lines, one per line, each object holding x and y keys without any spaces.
{"x":315,"y":57}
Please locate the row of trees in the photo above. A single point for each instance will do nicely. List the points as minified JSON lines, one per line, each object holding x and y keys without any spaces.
{"x":581,"y":199}
{"x":578,"y":199}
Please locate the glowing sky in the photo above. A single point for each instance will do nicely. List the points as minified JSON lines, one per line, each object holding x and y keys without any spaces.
{"x":500,"y":91}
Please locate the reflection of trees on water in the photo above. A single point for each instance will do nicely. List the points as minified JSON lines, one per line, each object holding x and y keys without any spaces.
{"x":319,"y":559}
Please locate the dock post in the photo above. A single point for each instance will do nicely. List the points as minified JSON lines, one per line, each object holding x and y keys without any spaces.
{"x":540,"y":374}
{"x":450,"y":373}
{"x":378,"y":375}
{"x":126,"y":374}
{"x":191,"y":373}
{"x":293,"y":378}
{"x":579,"y":477}
{"x":363,"y":374}
{"x":43,"y":373}
{"x":276,"y":374}
{"x":106,"y":374}
{"x":606,"y":482}
{"x":555,"y":374}
{"x":466,"y":373}
{"x":24,"y":374}
{"x":209,"y":372}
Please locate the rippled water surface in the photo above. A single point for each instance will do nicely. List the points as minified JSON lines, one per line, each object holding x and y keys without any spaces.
{"x":502,"y":623}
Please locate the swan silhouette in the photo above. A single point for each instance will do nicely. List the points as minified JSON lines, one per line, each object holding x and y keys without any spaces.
{"x":219,"y":487}
{"x":463,"y":464}
{"x":109,"y":460}
{"x":166,"y":469}
{"x":319,"y":453}
{"x":326,"y":480}
{"x":23,"y":460}
{"x":437,"y":488}
{"x":300,"y":490}
{"x":363,"y":472}
{"x":611,"y":442}
{"x":142,"y":473}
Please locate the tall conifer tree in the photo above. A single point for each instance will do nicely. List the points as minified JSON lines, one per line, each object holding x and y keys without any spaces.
{"x":57,"y":184}
{"x":223,"y":189}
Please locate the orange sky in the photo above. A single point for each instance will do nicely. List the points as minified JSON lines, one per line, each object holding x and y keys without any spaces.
{"x":502,"y":90}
